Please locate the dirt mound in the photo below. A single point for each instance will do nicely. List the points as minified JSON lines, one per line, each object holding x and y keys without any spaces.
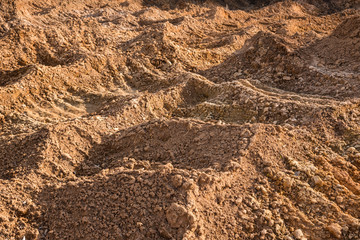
{"x":343,"y":43}
{"x":280,"y":62}
{"x":179,"y":119}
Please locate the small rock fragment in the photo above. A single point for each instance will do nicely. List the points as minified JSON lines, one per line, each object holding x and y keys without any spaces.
{"x":204,"y":179}
{"x":165,"y":233}
{"x":335,"y":230}
{"x":287,"y":183}
{"x":318,"y":181}
{"x":351,"y":150}
{"x":286,"y":78}
{"x":298,"y":234}
{"x":339,"y":199}
{"x":232,"y":166}
{"x":238,"y":201}
{"x":178,"y":216}
{"x":177,"y":180}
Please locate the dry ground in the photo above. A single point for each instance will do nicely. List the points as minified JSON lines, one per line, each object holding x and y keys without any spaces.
{"x":180,"y":119}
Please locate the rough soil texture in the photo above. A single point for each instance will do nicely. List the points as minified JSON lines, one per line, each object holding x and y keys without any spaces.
{"x":180,"y":119}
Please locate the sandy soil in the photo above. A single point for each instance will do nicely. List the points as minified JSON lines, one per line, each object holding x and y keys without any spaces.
{"x":179,"y":119}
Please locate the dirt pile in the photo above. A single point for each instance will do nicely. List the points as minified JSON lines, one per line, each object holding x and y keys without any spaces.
{"x":179,"y":119}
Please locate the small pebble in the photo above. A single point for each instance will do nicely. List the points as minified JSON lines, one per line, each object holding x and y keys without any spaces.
{"x":351,"y":150}
{"x":287,"y":78}
{"x":339,"y":199}
{"x":318,"y":181}
{"x":335,"y":230}
{"x":287,"y":183}
{"x":298,"y":234}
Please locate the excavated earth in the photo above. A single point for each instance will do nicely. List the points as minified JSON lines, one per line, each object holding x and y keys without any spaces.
{"x":179,"y":119}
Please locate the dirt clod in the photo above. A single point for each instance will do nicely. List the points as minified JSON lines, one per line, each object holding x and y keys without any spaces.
{"x":335,"y":230}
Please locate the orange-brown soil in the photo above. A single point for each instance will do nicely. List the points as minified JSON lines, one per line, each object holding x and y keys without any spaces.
{"x":180,"y":119}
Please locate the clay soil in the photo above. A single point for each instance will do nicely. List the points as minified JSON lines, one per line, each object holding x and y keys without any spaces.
{"x":179,"y":119}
